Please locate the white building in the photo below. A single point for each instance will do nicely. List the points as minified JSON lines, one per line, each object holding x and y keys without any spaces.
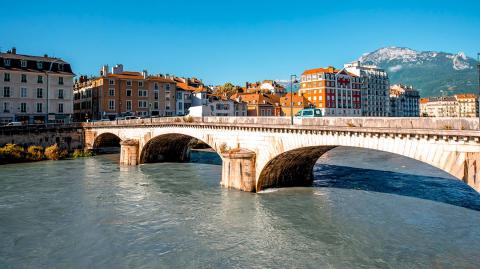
{"x":404,"y":101}
{"x":34,"y":89}
{"x":205,"y":104}
{"x":375,"y":88}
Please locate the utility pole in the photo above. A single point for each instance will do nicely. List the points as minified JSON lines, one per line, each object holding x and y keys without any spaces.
{"x":293,"y":79}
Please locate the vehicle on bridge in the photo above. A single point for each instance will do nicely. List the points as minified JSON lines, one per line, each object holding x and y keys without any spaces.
{"x":309,"y":113}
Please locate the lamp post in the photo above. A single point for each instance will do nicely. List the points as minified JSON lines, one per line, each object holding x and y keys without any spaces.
{"x":293,"y":79}
{"x":478,"y":98}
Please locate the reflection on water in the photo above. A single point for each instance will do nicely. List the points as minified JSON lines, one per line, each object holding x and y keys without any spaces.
{"x":91,"y":213}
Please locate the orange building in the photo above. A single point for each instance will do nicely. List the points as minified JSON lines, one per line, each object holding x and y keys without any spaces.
{"x":335,"y":92}
{"x":299,"y":103}
{"x":123,"y":93}
{"x":260,"y":104}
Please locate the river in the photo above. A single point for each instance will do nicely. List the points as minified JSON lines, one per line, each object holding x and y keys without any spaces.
{"x":367,"y":209}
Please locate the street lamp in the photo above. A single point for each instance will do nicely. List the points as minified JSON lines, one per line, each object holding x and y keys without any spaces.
{"x":478,"y":98}
{"x":293,"y":79}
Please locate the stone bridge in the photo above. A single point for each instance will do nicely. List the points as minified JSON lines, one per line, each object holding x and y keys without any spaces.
{"x":263,"y":152}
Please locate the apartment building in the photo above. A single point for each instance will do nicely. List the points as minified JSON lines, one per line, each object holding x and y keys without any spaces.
{"x":467,"y":105}
{"x":375,"y":88}
{"x":260,"y":105}
{"x":445,"y":106}
{"x":459,"y":105}
{"x":185,"y":87}
{"x":295,"y":105}
{"x":35,"y":89}
{"x":205,"y":103}
{"x":119,"y":93}
{"x":404,"y":101}
{"x":335,"y":92}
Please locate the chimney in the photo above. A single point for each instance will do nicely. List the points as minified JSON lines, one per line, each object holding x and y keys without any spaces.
{"x":144,"y":74}
{"x":14,"y":50}
{"x":104,"y":70}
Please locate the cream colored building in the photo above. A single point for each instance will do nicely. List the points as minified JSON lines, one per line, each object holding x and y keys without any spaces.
{"x":34,"y":88}
{"x":459,"y":105}
{"x":468,"y":105}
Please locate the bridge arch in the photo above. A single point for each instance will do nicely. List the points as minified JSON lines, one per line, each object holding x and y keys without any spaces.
{"x":293,"y":166}
{"x":170,"y":147}
{"x":105,"y":140}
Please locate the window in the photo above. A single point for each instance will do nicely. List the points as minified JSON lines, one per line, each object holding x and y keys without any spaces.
{"x":60,"y":67}
{"x":60,"y":93}
{"x":155,"y":86}
{"x":142,"y":104}
{"x":179,"y":96}
{"x":6,"y":77}
{"x":155,"y":105}
{"x":39,"y":107}
{"x":167,"y":87}
{"x":111,"y":92}
{"x":129,"y":92}
{"x":111,"y":104}
{"x":129,"y":104}
{"x":111,"y":82}
{"x":24,"y":78}
{"x":140,"y":84}
{"x":39,"y":93}
{"x":6,"y":62}
{"x":39,"y":65}
{"x":6,"y":91}
{"x":129,"y":83}
{"x":60,"y":80}
{"x":23,"y":107}
{"x":40,"y":79}
{"x":23,"y":63}
{"x":142,"y":93}
{"x":23,"y":92}
{"x":156,"y":95}
{"x":60,"y":108}
{"x":6,"y":107}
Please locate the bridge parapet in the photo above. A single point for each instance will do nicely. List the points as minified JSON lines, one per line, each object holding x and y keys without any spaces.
{"x":352,"y":122}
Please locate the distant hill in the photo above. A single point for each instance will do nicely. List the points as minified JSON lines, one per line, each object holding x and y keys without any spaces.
{"x":428,"y":71}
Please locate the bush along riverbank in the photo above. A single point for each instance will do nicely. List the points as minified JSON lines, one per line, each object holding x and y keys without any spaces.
{"x":12,"y":153}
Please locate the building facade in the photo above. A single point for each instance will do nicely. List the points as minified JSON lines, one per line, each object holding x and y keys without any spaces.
{"x":335,"y":92}
{"x":35,"y":89}
{"x":266,"y":86}
{"x":294,"y":105}
{"x":459,"y":105}
{"x":404,"y":101}
{"x":122,"y":93}
{"x":374,"y":89}
{"x":467,"y":105}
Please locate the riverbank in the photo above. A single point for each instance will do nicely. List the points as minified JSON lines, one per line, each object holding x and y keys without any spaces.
{"x":12,"y":153}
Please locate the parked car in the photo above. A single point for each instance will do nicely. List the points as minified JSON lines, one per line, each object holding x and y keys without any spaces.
{"x":309,"y":113}
{"x":14,"y":123}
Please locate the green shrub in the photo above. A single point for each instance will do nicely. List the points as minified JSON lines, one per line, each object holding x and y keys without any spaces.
{"x":35,"y":153}
{"x":79,"y":153}
{"x":54,"y":152}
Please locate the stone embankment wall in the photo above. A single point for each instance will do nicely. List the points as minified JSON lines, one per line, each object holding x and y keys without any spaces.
{"x":69,"y":137}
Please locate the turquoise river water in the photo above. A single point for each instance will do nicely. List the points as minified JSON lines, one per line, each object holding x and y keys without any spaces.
{"x":367,"y":209}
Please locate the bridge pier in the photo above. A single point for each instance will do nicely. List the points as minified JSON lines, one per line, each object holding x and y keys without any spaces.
{"x":238,"y":170}
{"x":129,"y":152}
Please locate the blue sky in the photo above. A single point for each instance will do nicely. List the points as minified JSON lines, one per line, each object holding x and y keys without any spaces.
{"x":235,"y":41}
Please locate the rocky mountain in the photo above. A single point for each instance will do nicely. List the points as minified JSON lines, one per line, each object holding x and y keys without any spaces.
{"x":428,"y":71}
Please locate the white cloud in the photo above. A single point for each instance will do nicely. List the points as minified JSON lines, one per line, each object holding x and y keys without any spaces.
{"x":395,"y":68}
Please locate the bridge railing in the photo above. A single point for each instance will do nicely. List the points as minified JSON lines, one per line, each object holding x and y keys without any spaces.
{"x":359,"y":122}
